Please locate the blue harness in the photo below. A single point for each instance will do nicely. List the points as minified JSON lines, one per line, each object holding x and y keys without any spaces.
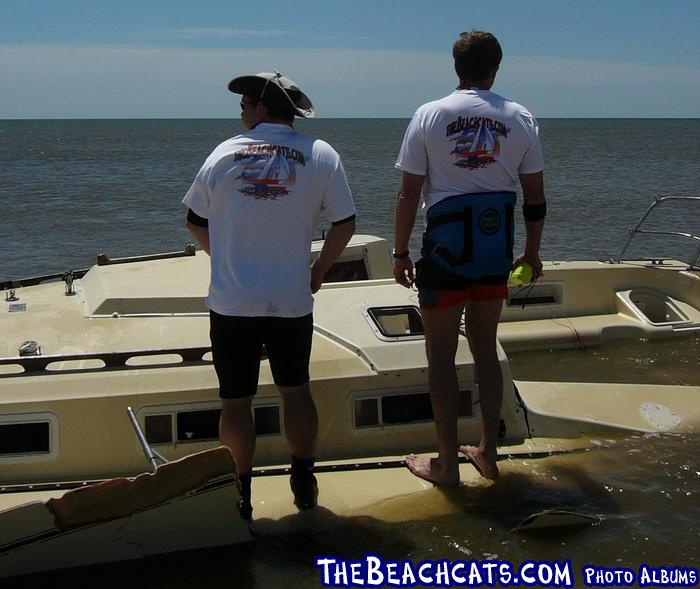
{"x":471,"y":235}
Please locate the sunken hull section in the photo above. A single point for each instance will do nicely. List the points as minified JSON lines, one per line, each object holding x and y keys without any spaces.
{"x":371,"y":396}
{"x":135,"y":334}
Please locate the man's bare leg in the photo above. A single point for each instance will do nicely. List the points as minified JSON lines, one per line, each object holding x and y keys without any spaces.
{"x":300,"y":420}
{"x":237,"y":431}
{"x":441,"y":337}
{"x":301,"y":428}
{"x":482,"y":323}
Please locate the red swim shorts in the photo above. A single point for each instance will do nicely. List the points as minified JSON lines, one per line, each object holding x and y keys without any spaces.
{"x":438,"y":300}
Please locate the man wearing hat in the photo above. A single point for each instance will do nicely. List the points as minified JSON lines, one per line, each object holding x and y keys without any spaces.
{"x":254,"y":208}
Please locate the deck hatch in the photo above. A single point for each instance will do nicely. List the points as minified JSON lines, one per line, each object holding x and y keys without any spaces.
{"x":399,"y":409}
{"x":396,"y":322}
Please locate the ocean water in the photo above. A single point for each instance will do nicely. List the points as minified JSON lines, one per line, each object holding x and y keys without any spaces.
{"x":72,"y":189}
{"x":644,"y":489}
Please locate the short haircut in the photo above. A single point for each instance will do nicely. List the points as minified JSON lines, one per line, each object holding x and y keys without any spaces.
{"x":477,"y":54}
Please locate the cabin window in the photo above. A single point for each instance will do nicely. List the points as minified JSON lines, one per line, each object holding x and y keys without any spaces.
{"x":198,"y":425}
{"x":396,"y":322}
{"x":28,"y":437}
{"x":267,"y":420}
{"x":203,"y":424}
{"x":392,"y":409}
{"x":406,"y":408}
{"x":159,"y":429}
{"x":366,"y":413}
{"x":24,"y":438}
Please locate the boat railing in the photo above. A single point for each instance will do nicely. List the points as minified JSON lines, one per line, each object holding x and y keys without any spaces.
{"x":637,"y":230}
{"x":102,"y":260}
{"x":40,"y":364}
{"x":34,"y":280}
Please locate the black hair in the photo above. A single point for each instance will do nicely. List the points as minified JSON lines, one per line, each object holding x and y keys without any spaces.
{"x":477,"y":55}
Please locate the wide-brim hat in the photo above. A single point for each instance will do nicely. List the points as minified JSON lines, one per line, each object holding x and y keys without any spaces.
{"x":274,"y":87}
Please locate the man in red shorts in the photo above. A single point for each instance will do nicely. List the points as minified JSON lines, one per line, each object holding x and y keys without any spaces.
{"x":464,"y":154}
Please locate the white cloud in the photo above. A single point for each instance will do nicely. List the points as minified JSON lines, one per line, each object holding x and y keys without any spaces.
{"x":137,"y":81}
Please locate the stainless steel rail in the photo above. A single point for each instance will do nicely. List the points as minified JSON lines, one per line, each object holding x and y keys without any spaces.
{"x":637,"y":229}
{"x":153,"y":457}
{"x":102,"y":260}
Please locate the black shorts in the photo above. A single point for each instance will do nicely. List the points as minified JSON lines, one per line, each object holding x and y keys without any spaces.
{"x":237,"y":348}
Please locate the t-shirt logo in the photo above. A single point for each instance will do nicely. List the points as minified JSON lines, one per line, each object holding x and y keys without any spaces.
{"x":269,"y":170}
{"x":476,"y":141}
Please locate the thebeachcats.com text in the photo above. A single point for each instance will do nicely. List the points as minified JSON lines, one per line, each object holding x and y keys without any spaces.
{"x":374,"y":571}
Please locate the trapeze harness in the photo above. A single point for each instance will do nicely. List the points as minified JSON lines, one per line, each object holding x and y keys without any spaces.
{"x":471,"y":235}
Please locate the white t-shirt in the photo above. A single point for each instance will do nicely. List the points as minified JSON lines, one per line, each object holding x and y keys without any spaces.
{"x":262,"y":193}
{"x":470,"y":141}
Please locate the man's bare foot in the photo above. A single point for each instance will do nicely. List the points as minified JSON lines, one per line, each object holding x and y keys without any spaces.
{"x":431,"y":470}
{"x":486,"y":467}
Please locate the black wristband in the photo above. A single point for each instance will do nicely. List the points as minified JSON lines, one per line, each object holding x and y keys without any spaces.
{"x":399,"y":255}
{"x":535,"y":212}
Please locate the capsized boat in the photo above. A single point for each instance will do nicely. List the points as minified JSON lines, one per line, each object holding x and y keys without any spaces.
{"x":80,"y":349}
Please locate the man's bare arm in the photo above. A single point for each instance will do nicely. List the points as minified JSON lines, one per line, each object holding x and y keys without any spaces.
{"x":407,"y":202}
{"x":533,"y":194}
{"x":201,"y":235}
{"x":334,"y":244}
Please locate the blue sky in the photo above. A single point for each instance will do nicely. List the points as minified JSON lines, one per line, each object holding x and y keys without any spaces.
{"x":355,"y":58}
